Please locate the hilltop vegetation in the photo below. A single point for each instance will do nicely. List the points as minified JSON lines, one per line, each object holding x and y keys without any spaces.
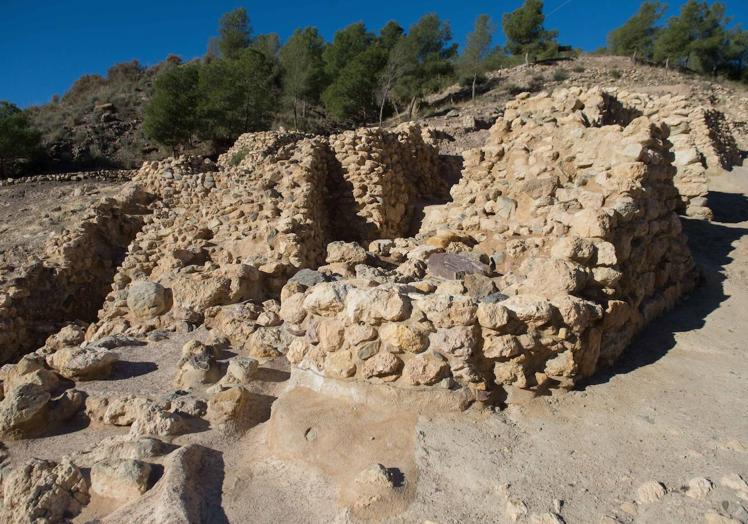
{"x":251,"y":82}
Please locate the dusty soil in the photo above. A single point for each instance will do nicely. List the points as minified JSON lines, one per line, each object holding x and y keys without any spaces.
{"x":30,"y":214}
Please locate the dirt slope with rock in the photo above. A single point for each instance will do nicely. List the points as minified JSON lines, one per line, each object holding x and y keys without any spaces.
{"x":369,"y":327}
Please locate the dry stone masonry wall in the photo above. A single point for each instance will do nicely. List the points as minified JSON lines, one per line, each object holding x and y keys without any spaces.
{"x":561,"y":242}
{"x":72,"y":276}
{"x":223,"y":239}
{"x":702,"y":139}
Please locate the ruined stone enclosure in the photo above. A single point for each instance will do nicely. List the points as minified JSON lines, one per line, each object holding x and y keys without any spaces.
{"x":350,"y":256}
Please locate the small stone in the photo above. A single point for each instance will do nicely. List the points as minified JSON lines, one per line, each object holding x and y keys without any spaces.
{"x":383,"y":365}
{"x":515,"y":509}
{"x":699,"y":487}
{"x":650,"y":491}
{"x":453,"y":266}
{"x":376,"y":475}
{"x":546,"y":518}
{"x":146,"y":300}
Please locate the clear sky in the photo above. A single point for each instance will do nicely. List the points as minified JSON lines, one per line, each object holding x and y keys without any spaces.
{"x":45,"y":45}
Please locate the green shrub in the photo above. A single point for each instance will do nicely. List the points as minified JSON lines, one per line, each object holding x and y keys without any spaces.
{"x":579,"y":69}
{"x":237,"y":158}
{"x":560,"y":75}
{"x":616,"y":74}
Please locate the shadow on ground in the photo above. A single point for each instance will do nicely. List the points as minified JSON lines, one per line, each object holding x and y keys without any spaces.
{"x":212,"y":473}
{"x":711,"y":245}
{"x":730,"y":208}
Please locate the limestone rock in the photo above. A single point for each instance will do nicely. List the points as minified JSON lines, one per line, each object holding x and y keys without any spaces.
{"x":123,"y":479}
{"x":184,"y":493}
{"x":240,"y":371}
{"x":147,"y":300}
{"x":425,"y":370}
{"x":346,"y":253}
{"x":197,"y":366}
{"x":453,"y":266}
{"x":44,"y":491}
{"x":699,"y":487}
{"x":89,"y":363}
{"x":229,"y":407}
{"x":650,"y":491}
{"x":383,"y":365}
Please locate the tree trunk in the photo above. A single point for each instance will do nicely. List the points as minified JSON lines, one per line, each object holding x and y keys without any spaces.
{"x":667,"y":63}
{"x":527,"y":58}
{"x":381,"y":107}
{"x":295,"y":116}
{"x":2,"y":167}
{"x":397,"y":110}
{"x":411,"y":108}
{"x":633,"y":58}
{"x":475,"y":79}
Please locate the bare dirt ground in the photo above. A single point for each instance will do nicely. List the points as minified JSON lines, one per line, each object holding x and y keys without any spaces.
{"x":30,"y":214}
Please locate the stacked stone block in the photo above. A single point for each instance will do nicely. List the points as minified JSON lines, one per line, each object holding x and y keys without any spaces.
{"x":562,"y":242}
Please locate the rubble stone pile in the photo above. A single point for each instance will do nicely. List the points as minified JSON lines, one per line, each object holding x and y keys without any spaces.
{"x":561,"y":242}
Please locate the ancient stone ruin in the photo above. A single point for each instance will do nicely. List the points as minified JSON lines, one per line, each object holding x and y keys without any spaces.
{"x":351,"y":257}
{"x":560,"y":243}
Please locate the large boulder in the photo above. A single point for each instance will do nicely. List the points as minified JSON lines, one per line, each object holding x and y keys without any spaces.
{"x":185,"y":493}
{"x":123,"y":479}
{"x":147,"y":300}
{"x":29,"y":410}
{"x":43,"y":491}
{"x":76,"y":363}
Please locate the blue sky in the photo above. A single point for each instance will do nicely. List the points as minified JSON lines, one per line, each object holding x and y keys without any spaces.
{"x":45,"y":45}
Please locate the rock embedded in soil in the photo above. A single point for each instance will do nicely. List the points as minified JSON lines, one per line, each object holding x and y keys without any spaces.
{"x":123,"y":479}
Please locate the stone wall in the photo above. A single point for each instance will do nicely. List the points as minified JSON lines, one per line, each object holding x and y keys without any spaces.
{"x":223,"y":239}
{"x":378,"y":178}
{"x":117,"y":175}
{"x":560,"y":244}
{"x":702,"y":139}
{"x":71,"y":278}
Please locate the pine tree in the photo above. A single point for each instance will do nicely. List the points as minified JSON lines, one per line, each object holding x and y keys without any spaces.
{"x":303,"y":69}
{"x":428,"y":55}
{"x":697,"y":38}
{"x":347,"y":44}
{"x":472,"y":61}
{"x":525,"y":33}
{"x":390,"y":35}
{"x":637,"y":35}
{"x":736,"y":54}
{"x":235,"y":33}
{"x":18,"y":139}
{"x":268,"y":45}
{"x":171,"y":116}
{"x":397,"y":65}
{"x":352,"y":96}
{"x":236,"y":96}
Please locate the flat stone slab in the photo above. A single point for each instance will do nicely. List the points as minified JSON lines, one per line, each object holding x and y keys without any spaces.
{"x":454,"y":266}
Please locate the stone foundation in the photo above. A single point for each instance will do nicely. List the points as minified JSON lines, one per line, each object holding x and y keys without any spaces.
{"x":562,"y":242}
